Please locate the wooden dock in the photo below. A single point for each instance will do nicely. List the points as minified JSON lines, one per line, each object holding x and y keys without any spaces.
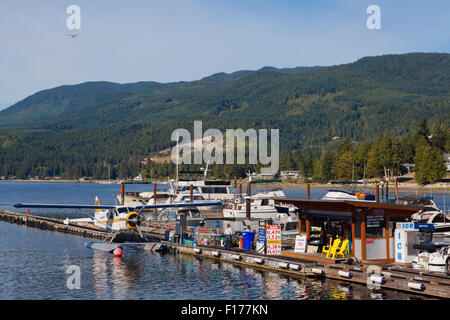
{"x":375,"y":275}
{"x":85,"y":230}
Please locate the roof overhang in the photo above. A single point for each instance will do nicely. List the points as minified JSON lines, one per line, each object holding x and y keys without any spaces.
{"x":350,"y":206}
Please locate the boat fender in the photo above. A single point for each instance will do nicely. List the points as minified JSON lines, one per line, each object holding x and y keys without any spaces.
{"x":237,"y":257}
{"x":215,"y":254}
{"x":317,"y":271}
{"x":197,"y":250}
{"x":416,"y":286}
{"x":283,"y":265}
{"x":297,"y":267}
{"x":345,"y":274}
{"x":259,"y":260}
{"x":378,"y":279}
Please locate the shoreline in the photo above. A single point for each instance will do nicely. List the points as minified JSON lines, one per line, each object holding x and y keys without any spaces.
{"x":437,"y":187}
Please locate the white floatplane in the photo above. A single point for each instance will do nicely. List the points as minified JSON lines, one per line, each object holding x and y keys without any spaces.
{"x":114,"y":219}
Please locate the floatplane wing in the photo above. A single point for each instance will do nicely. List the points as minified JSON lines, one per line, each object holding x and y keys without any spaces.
{"x":63,"y":206}
{"x":86,"y":206}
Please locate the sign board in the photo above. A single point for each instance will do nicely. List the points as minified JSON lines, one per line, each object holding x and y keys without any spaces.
{"x":261,"y":244}
{"x":410,"y":226}
{"x":300,"y":244}
{"x":273,"y":239}
{"x":374,"y":221}
{"x":378,"y":211}
{"x":405,"y":225}
{"x":262,"y":234}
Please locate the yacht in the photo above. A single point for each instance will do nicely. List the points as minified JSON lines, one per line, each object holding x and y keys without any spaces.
{"x":133,"y":198}
{"x":216,"y":190}
{"x":185,"y":197}
{"x":262,"y":206}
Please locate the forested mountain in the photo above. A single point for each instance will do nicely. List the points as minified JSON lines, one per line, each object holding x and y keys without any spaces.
{"x":82,"y":129}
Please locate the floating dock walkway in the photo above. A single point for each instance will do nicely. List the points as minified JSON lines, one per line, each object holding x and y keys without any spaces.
{"x":375,"y":275}
{"x":58,"y":225}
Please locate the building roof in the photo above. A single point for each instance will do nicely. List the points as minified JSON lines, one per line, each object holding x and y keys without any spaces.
{"x":350,"y":206}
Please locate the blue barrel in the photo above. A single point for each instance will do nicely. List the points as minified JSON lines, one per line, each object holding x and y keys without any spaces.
{"x":248,"y":239}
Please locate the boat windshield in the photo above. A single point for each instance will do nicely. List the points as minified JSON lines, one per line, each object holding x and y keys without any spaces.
{"x":214,"y":190}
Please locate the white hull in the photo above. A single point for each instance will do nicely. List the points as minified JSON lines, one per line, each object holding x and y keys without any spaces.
{"x":343,"y":195}
{"x":268,"y":213}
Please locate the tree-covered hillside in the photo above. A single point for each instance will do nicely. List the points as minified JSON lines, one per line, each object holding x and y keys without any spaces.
{"x":84,"y":129}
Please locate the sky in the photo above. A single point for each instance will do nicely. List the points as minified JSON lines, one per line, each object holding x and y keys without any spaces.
{"x":174,"y":40}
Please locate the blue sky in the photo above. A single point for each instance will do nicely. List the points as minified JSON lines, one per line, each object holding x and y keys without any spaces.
{"x":172,"y":40}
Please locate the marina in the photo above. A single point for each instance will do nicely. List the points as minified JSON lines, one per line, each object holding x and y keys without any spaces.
{"x":381,"y":274}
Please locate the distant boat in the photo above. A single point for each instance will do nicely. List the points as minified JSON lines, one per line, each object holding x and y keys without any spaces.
{"x":335,"y":194}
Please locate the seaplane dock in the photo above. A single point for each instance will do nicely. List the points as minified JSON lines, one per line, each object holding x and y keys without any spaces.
{"x":375,"y":274}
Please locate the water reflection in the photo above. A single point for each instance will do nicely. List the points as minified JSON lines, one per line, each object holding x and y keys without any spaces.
{"x":186,"y":277}
{"x":34,"y":266}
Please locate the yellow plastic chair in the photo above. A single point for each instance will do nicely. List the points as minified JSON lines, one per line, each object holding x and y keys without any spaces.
{"x":334,"y":246}
{"x":342,"y":250}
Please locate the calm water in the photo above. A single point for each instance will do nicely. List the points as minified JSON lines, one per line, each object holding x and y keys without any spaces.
{"x":34,"y":262}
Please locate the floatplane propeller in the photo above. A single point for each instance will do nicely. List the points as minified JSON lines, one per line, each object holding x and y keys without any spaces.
{"x":114,"y":218}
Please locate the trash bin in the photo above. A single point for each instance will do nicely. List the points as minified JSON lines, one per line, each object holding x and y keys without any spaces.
{"x":248,"y":239}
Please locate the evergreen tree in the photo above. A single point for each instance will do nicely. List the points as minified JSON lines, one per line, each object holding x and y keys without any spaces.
{"x":345,"y":166}
{"x":429,"y":164}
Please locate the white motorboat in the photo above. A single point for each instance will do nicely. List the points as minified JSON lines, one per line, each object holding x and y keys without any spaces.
{"x":336,"y":194}
{"x":429,"y":214}
{"x":434,"y":254}
{"x":439,"y":219}
{"x":133,"y":198}
{"x":262,"y":206}
{"x":185,"y":197}
{"x":345,"y":195}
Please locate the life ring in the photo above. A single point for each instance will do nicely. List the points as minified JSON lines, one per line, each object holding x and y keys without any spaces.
{"x":131,"y":224}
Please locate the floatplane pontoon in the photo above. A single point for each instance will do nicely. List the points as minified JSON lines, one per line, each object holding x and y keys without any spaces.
{"x":114,"y":219}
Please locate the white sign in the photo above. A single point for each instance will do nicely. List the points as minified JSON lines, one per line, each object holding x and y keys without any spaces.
{"x":300,"y":244}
